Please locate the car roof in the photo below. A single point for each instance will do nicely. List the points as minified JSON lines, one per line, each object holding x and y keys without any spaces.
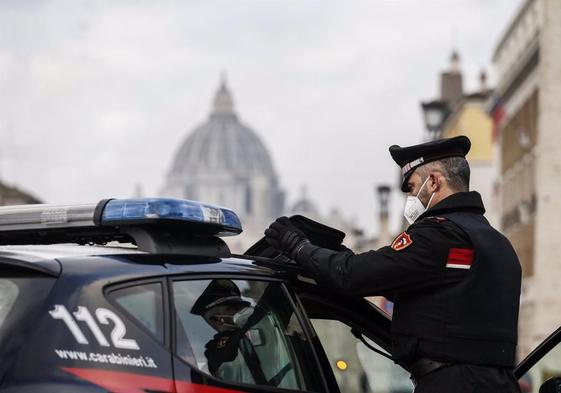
{"x":123,"y":260}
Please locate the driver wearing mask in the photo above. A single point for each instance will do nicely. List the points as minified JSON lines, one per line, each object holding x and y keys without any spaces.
{"x":229,"y":352}
{"x":454,"y":280}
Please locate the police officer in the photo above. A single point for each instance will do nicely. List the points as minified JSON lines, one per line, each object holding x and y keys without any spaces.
{"x":223,"y":308}
{"x":454,"y":280}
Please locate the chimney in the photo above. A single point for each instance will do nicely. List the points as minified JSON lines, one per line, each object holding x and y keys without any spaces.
{"x":451,"y":86}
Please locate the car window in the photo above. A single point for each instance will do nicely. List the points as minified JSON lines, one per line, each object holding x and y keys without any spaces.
{"x":244,"y":331}
{"x":8,"y":294}
{"x":21,"y":294}
{"x":547,"y":367}
{"x":143,"y":302}
{"x":356,"y":367}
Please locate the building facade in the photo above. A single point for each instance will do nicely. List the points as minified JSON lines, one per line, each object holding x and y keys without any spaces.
{"x":466,"y":114}
{"x":527,"y":111}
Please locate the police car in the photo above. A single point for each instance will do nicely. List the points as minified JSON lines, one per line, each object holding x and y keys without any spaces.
{"x":143,"y":295}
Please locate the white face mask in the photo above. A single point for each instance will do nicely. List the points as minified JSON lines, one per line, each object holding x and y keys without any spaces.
{"x":240,"y":318}
{"x":414,"y":207}
{"x":233,"y":321}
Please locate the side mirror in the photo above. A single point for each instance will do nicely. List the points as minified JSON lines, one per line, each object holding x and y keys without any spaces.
{"x":552,"y":385}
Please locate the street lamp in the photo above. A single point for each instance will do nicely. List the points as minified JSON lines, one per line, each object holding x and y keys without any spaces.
{"x":384,"y":195}
{"x":435,"y":113}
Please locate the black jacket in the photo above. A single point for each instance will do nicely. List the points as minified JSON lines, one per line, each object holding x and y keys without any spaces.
{"x":455,"y":282}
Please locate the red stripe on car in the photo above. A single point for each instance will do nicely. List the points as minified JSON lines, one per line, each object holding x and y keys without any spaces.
{"x":122,"y":382}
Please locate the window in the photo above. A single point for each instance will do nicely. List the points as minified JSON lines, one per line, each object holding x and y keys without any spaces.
{"x":244,"y":331}
{"x":356,"y":367}
{"x":22,"y":293}
{"x":8,"y":294}
{"x":144,"y":303}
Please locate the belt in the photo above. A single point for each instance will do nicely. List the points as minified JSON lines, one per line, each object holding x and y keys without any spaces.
{"x":425,"y":366}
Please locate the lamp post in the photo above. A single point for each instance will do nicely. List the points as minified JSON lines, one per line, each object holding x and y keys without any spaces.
{"x":434,"y":113}
{"x":384,"y":198}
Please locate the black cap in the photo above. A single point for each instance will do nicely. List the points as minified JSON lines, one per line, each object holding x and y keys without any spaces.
{"x":410,"y":157}
{"x":218,"y":293}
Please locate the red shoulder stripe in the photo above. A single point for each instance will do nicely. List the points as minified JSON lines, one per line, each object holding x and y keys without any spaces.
{"x":460,"y":258}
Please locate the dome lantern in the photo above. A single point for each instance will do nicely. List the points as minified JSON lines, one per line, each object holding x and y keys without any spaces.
{"x":223,"y":103}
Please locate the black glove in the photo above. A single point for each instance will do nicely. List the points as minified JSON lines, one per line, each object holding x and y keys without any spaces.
{"x":222,"y":348}
{"x":285,"y":237}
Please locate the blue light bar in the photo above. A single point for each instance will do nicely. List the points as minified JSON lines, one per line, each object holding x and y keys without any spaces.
{"x":150,"y":210}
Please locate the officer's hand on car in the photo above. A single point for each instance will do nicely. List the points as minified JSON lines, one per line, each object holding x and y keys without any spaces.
{"x":285,"y":237}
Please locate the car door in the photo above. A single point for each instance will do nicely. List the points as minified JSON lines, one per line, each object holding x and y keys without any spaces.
{"x":540,"y":371}
{"x":242,"y":334}
{"x":355,"y":336}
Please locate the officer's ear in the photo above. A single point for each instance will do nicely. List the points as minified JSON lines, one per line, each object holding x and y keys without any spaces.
{"x":435,"y":182}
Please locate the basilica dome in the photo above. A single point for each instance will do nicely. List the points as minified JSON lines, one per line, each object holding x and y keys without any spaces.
{"x":225,"y":162}
{"x":222,"y":144}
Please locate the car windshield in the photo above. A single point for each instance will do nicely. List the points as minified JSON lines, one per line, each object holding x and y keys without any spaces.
{"x":245,"y":332}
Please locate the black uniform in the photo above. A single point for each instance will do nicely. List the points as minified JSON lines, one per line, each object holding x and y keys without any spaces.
{"x":455,"y":283}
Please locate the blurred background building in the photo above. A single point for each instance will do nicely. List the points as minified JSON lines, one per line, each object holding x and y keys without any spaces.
{"x":515,"y":159}
{"x":527,"y":112}
{"x":10,"y":195}
{"x":455,"y":113}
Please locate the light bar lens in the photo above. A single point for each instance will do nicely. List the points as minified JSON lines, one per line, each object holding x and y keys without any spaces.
{"x":120,"y":212}
{"x":35,"y":217}
{"x":123,"y":210}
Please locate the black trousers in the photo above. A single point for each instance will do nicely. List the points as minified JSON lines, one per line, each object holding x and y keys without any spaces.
{"x":465,"y":378}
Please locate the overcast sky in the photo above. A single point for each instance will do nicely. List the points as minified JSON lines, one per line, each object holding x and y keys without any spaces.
{"x":96,"y":96}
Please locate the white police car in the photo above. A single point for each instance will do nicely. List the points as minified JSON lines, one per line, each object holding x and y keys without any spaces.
{"x":142,"y":295}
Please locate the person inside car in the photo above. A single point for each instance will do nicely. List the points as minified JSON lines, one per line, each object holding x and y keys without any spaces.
{"x":230,"y":354}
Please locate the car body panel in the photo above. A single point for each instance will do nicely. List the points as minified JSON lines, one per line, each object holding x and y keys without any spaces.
{"x":51,"y":355}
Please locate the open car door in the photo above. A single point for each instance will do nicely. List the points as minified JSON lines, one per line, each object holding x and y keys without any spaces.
{"x":352,"y":334}
{"x":540,"y":371}
{"x":355,"y":336}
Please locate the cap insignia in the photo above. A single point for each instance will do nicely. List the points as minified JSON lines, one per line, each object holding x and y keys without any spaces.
{"x":410,"y":165}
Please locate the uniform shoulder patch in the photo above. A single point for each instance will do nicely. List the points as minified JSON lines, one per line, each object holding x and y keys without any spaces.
{"x":402,"y":241}
{"x":460,"y":258}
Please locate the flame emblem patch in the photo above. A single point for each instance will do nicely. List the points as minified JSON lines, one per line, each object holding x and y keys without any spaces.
{"x":402,"y":241}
